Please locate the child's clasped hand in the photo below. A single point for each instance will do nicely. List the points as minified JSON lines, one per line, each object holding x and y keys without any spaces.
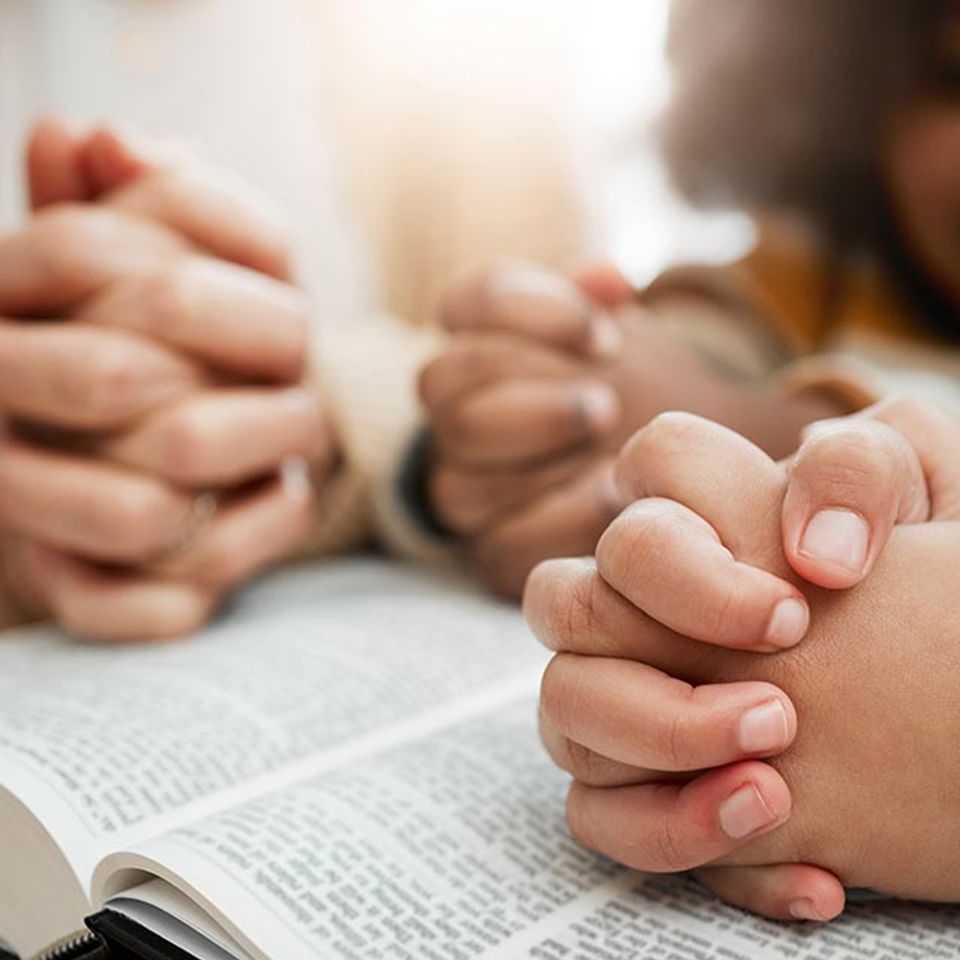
{"x":723,"y":706}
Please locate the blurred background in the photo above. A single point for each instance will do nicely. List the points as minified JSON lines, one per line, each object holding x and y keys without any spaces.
{"x":403,"y":138}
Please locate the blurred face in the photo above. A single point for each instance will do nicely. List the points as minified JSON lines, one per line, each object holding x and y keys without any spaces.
{"x":923,"y":175}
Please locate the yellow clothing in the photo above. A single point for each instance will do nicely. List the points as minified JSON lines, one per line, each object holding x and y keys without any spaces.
{"x":848,"y":333}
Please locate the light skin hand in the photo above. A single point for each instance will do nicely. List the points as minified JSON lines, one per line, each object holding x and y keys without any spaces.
{"x":544,"y":379}
{"x":177,"y":371}
{"x":207,"y":208}
{"x":601,"y":621}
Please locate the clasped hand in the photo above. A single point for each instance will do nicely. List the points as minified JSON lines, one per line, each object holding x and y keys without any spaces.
{"x":152,"y":352}
{"x":755,"y":677}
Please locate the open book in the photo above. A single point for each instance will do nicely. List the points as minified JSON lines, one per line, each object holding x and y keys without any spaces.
{"x":346,"y":767}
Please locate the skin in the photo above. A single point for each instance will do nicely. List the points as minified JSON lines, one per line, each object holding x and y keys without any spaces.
{"x":708,"y":552}
{"x":515,"y":503}
{"x":543,"y":381}
{"x":920,"y":168}
{"x":174,"y":364}
{"x":862,"y":471}
{"x":513,"y":517}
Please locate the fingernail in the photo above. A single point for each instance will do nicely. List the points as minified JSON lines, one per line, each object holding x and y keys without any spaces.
{"x":764,"y":729}
{"x":605,"y":338}
{"x":804,"y":910}
{"x":295,"y":479}
{"x":600,"y":408}
{"x":838,"y":537}
{"x":744,"y":812}
{"x":789,"y":623}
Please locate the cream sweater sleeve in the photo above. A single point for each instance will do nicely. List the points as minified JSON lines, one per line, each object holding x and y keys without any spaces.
{"x":369,"y":378}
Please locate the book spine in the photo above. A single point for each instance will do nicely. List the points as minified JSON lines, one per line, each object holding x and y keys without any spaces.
{"x":78,"y":946}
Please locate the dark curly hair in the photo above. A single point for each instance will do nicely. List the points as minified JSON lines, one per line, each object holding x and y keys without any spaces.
{"x":784,"y":103}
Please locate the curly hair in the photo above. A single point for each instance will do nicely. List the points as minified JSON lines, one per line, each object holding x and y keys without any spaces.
{"x":784,"y":103}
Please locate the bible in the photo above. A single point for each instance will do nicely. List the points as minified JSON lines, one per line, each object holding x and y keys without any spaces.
{"x":345,"y":767}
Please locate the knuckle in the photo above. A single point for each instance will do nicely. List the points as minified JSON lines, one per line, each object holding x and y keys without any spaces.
{"x":667,"y":848}
{"x":111,"y":386}
{"x":633,"y":541}
{"x":134,"y":521}
{"x":544,"y":591}
{"x":670,"y":430}
{"x":844,"y":463}
{"x":443,"y":372}
{"x":573,"y":613}
{"x":578,"y":819}
{"x":169,"y":298}
{"x":190,"y":446}
{"x":665,"y":436}
{"x":724,"y":616}
{"x":65,"y":240}
{"x":677,"y":737}
{"x":221,"y":565}
{"x":584,"y":765}
{"x":561,"y":693}
{"x":466,"y":299}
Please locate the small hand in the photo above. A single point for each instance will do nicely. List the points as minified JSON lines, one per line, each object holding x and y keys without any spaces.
{"x":664,"y":560}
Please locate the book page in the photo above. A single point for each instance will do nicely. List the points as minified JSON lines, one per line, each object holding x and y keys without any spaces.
{"x":109,"y":744}
{"x":455,"y":846}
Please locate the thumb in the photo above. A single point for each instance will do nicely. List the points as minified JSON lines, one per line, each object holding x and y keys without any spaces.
{"x":56,"y":172}
{"x":855,"y":478}
{"x":850,"y":483}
